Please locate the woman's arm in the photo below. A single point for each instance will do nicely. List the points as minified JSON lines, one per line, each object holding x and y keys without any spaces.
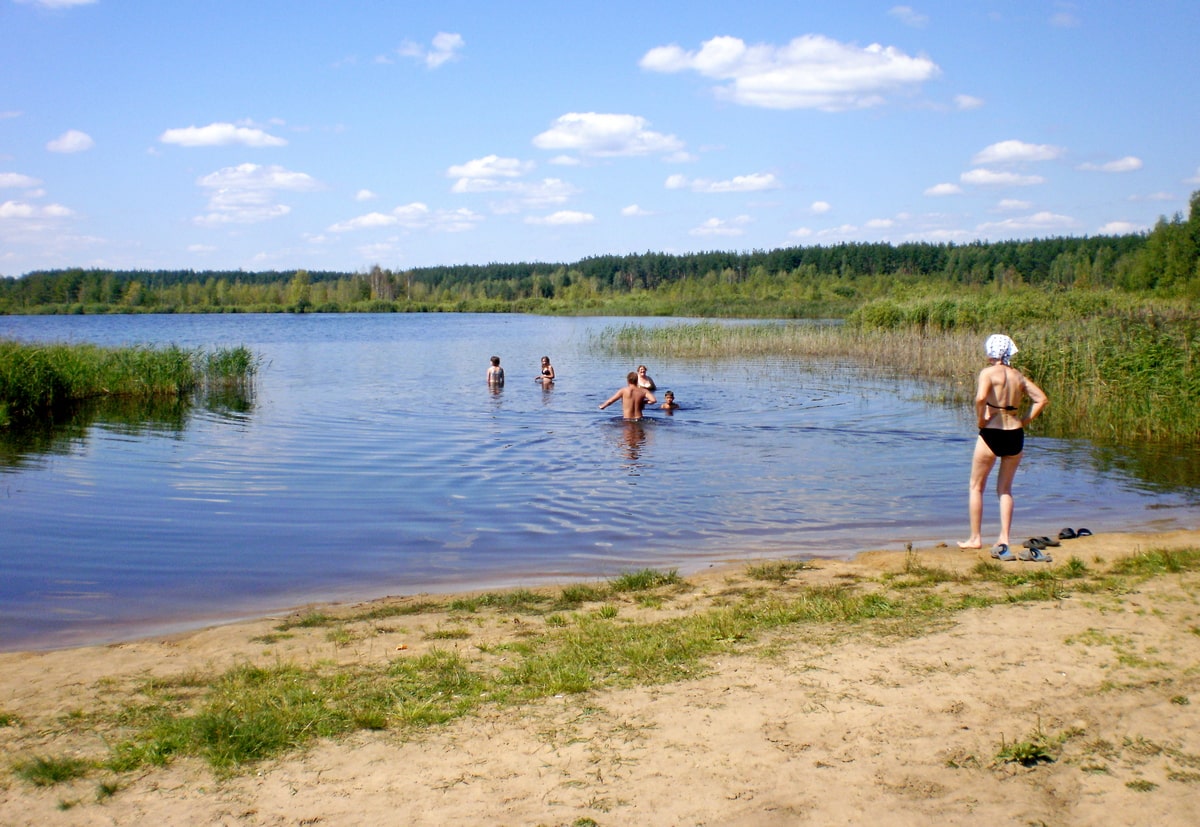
{"x":1037,"y":396}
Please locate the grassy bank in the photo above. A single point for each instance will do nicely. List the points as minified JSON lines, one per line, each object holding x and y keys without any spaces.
{"x":36,"y":379}
{"x":505,"y":649}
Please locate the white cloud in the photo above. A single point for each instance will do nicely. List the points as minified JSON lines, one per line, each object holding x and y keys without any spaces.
{"x":71,"y":141}
{"x":944,"y":189}
{"x":967,"y":102}
{"x":909,"y":17}
{"x":9,"y":113}
{"x":201,"y":248}
{"x":22,"y":210}
{"x":820,"y":207}
{"x":880,"y":224}
{"x":490,"y":166}
{"x":800,"y":232}
{"x":754,"y":182}
{"x":365,"y":195}
{"x":810,"y":72}
{"x":1013,"y":204}
{"x":565,"y":161}
{"x":414,"y":216}
{"x":59,"y":4}
{"x":1129,"y":163}
{"x":721,"y":227}
{"x":605,"y":135}
{"x":562,"y":217}
{"x":987,"y":177}
{"x":1120,"y":228}
{"x":634,"y":210}
{"x":1038,"y":222}
{"x":1012,"y":152}
{"x":525,"y":194}
{"x":16,"y":180}
{"x":445,"y":48}
{"x":220,"y":134}
{"x":245,"y":194}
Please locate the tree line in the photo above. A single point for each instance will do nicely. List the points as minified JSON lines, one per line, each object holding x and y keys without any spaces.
{"x":796,"y":280}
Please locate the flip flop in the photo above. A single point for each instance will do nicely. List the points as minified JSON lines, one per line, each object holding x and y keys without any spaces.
{"x":1000,"y":552}
{"x":1036,"y":555}
{"x":1049,"y":541}
{"x":1083,"y":532}
{"x":1067,"y":534}
{"x":1034,"y":542}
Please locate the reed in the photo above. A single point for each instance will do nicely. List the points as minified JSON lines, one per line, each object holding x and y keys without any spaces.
{"x":40,"y":378}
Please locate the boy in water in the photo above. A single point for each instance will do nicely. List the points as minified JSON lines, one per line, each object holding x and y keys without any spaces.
{"x":495,"y":374}
{"x":668,"y":403}
{"x":633,"y":398}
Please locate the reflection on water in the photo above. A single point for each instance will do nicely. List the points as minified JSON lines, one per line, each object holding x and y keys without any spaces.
{"x":1158,"y":467}
{"x":374,"y":459}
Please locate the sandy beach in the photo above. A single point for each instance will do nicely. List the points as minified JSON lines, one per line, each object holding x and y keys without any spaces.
{"x":807,"y":724}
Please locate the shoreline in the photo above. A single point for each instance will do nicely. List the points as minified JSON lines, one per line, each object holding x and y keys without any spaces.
{"x":813,"y":724}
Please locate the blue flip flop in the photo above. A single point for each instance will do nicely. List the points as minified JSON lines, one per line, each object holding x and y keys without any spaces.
{"x":1000,"y":552}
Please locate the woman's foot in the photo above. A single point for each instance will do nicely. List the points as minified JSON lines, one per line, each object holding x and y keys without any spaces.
{"x":974,"y":542}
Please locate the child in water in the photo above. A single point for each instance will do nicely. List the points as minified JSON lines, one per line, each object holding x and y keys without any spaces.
{"x":495,"y":373}
{"x":668,"y":403}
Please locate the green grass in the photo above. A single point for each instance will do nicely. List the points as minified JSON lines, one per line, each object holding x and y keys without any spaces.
{"x":38,"y":379}
{"x":42,"y":771}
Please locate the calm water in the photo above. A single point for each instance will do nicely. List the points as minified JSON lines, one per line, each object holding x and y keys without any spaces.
{"x":374,"y":460}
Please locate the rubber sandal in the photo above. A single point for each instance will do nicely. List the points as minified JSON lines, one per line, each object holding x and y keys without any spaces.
{"x":1067,"y":534}
{"x":1000,"y":552}
{"x":1049,"y":541}
{"x":1034,"y":542}
{"x":1035,"y":555}
{"x":1083,"y":532}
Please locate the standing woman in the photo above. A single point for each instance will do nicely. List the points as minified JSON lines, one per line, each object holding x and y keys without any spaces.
{"x":547,"y":373}
{"x":998,"y":397}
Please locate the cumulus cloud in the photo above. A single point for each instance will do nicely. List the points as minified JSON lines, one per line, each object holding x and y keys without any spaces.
{"x":246,"y":194}
{"x":634,"y":210}
{"x":800,"y":232}
{"x":220,"y":134}
{"x":810,"y":72}
{"x":721,"y":227}
{"x":365,"y":195}
{"x":909,"y":17}
{"x":605,"y":135}
{"x":490,"y":166}
{"x":991,"y":178}
{"x":820,"y":207}
{"x":414,"y":216}
{"x":71,"y":141}
{"x":967,"y":102}
{"x":944,"y":189}
{"x":880,"y":224}
{"x":1012,"y":204}
{"x":1038,"y":222}
{"x":1120,"y":228}
{"x":15,"y":180}
{"x":21,"y":210}
{"x":1014,"y":152}
{"x":562,"y":217}
{"x":1129,"y":163}
{"x":444,"y":48}
{"x":754,"y":182}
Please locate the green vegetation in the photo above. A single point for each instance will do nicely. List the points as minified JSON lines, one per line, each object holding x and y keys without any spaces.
{"x":42,"y":379}
{"x":248,"y":713}
{"x":794,"y":282}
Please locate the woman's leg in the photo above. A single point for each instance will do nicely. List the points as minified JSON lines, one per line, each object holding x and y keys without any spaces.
{"x":981,"y":466}
{"x":1004,"y":481}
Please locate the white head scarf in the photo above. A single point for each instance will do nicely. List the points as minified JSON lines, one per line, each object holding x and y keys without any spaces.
{"x":999,"y":346}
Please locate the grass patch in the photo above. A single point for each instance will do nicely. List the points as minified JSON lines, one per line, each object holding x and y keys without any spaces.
{"x":644,"y":580}
{"x":777,"y":571}
{"x":42,"y":771}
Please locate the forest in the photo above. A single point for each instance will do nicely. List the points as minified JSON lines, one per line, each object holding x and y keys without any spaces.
{"x":791,"y":282}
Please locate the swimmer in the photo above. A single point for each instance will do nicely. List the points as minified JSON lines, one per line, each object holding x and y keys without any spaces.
{"x":495,"y":373}
{"x":547,"y":374}
{"x":668,"y":403}
{"x":633,"y":399}
{"x":998,"y":395}
{"x":644,"y":380}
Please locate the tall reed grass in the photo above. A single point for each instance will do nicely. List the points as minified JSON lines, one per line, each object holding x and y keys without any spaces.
{"x":40,"y":378}
{"x":1120,"y":376}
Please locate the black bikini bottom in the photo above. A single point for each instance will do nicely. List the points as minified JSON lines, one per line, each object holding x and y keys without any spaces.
{"x":1003,"y":443}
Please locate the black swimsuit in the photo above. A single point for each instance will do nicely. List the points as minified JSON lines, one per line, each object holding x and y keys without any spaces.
{"x":1000,"y":442}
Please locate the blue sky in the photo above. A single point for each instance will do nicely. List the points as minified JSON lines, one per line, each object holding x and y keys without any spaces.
{"x":272,"y":134}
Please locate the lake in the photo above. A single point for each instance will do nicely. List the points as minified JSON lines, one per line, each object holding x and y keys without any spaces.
{"x":372,"y":459}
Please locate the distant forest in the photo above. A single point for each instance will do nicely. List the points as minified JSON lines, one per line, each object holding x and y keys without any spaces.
{"x":787,"y":282}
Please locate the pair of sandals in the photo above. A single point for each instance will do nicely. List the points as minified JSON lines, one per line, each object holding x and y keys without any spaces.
{"x":1034,"y":547}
